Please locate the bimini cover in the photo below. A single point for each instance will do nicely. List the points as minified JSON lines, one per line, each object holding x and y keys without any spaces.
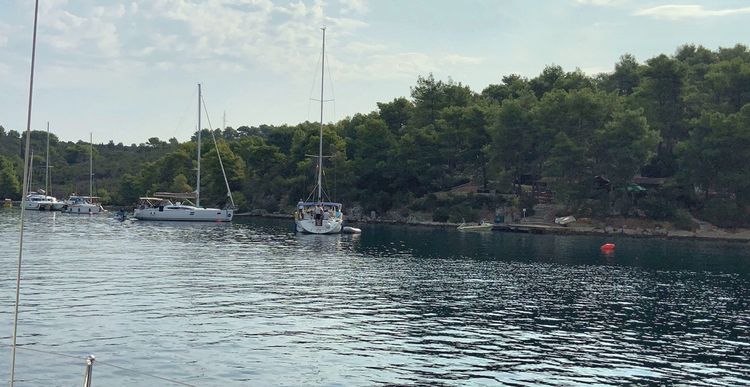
{"x":312,"y":204}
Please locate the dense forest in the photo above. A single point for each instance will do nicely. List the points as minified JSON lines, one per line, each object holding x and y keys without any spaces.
{"x":667,"y":139}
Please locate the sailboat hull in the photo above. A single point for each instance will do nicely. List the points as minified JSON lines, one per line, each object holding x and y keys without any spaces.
{"x":328,"y":226}
{"x":184,"y":214}
{"x":42,"y":203}
{"x":84,"y":208}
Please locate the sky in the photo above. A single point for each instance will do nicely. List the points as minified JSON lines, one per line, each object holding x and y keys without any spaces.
{"x":128,"y":70}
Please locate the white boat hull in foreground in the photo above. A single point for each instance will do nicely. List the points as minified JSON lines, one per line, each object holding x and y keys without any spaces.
{"x":184,"y":213}
{"x":327,"y":226}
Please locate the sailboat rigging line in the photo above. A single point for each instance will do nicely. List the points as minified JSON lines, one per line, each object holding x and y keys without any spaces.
{"x":312,"y":87}
{"x":47,"y":352}
{"x":46,"y":165}
{"x":99,"y":362}
{"x":91,"y":165}
{"x":320,"y":146}
{"x":145,"y":374}
{"x":198,"y":173}
{"x":330,"y":82}
{"x":23,"y":198}
{"x":216,"y":145}
{"x":188,"y":106}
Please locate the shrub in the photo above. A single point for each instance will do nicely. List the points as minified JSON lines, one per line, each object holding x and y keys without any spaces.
{"x":440,"y":214}
{"x":461,"y":213}
{"x":684,"y":221}
{"x":424,"y":203}
{"x":723,"y":212}
{"x":657,"y":207}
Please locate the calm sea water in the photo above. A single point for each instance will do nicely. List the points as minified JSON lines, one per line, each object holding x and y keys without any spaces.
{"x":251,"y":303}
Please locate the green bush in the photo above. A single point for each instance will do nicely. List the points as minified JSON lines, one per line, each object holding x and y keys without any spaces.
{"x":723,"y":212}
{"x":461,"y":213}
{"x":684,"y":221}
{"x":440,"y":214}
{"x":657,"y":207}
{"x":425,"y":203}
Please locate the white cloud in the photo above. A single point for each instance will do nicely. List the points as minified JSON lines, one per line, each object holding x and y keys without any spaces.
{"x":94,"y":34}
{"x":346,"y":25}
{"x":353,"y":6}
{"x":4,"y":33}
{"x":676,"y":12}
{"x":387,"y":66}
{"x":454,"y":59}
{"x":359,"y":48}
{"x":598,"y":2}
{"x":164,"y":66}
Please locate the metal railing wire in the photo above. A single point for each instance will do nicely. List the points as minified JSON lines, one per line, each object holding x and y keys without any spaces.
{"x":89,"y":362}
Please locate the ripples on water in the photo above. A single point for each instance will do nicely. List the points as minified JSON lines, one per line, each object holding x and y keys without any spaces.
{"x":253,"y":303}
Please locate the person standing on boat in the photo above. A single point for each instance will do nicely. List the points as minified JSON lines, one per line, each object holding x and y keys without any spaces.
{"x":318,"y":215}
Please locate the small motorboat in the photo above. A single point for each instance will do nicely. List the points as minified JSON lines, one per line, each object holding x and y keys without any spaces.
{"x":351,"y":230}
{"x":482,"y":226}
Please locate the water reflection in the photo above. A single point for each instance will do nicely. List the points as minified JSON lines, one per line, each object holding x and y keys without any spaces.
{"x":254,"y":303}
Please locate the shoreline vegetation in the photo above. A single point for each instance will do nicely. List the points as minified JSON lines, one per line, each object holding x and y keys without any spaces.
{"x":601,"y":227}
{"x":658,"y":147}
{"x":705,"y":232}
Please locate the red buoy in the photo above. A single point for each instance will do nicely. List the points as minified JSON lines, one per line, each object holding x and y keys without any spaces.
{"x":608,"y":248}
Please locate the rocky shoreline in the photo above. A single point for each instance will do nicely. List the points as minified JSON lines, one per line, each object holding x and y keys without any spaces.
{"x":705,"y":231}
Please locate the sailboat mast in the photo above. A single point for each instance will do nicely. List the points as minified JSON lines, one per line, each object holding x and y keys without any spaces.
{"x":198,"y":178}
{"x":91,"y":164}
{"x":31,"y":171}
{"x":46,"y":166}
{"x":320,"y":144}
{"x":26,"y":178}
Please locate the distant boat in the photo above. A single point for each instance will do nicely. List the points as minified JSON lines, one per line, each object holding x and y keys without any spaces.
{"x":483,"y":226}
{"x":77,"y":204}
{"x":39,"y":200}
{"x":172,"y":206}
{"x":178,"y":207}
{"x":319,"y":216}
{"x":49,"y":203}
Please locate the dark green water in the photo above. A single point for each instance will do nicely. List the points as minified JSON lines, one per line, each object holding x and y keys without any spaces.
{"x":251,"y":303}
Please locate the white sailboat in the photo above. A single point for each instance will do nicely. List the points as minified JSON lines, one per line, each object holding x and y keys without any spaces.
{"x":179,"y":206}
{"x":77,"y":204}
{"x":40,"y":200}
{"x":319,"y":216}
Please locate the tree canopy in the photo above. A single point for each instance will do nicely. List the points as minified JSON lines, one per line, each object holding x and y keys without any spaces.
{"x":683,"y":117}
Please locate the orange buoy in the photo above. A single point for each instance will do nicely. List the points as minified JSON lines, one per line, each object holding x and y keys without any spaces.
{"x":608,"y":248}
